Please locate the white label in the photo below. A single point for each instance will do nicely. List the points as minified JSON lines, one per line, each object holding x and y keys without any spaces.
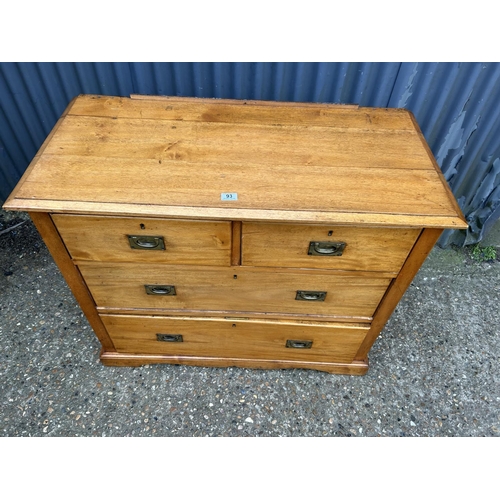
{"x":229,"y":196}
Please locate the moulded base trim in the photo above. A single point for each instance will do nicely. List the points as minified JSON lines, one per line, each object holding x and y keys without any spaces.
{"x":125,"y":359}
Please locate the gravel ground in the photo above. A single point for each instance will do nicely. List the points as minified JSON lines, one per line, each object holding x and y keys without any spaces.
{"x":434,"y":371}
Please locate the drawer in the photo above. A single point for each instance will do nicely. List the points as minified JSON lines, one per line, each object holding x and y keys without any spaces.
{"x":234,"y":289}
{"x":322,"y":247}
{"x":223,"y":338}
{"x":153,"y":240}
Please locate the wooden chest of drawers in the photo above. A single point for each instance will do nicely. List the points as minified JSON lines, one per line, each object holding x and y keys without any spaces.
{"x":236,"y":233}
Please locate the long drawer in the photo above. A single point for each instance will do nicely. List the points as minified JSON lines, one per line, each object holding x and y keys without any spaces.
{"x":326,"y":247}
{"x":233,"y":289}
{"x":130,"y":239}
{"x":222,"y":338}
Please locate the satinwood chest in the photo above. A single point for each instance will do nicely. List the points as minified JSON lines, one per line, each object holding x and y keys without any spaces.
{"x":236,"y":233}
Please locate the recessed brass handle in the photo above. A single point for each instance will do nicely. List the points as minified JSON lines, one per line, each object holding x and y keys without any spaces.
{"x":310,"y":295}
{"x":140,"y":242}
{"x":326,"y":248}
{"x":299,"y":344}
{"x":165,"y":337}
{"x":160,"y":289}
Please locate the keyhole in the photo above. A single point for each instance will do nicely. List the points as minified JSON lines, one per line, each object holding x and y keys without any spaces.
{"x":235,"y":277}
{"x":330,"y":233}
{"x":234,"y":325}
{"x":143,"y":226}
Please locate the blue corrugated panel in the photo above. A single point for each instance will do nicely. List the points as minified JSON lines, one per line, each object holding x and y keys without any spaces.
{"x":33,"y":96}
{"x":456,"y":104}
{"x":458,"y":108}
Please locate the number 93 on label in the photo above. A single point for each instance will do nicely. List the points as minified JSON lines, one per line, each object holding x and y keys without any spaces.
{"x":229,"y":196}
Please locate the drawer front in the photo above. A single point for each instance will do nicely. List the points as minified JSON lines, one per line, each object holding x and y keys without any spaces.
{"x":233,"y":289}
{"x":130,"y":239}
{"x":243,"y":339}
{"x":326,"y":247}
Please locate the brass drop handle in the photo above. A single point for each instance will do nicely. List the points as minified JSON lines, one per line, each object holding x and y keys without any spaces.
{"x":299,"y":344}
{"x":326,"y":248}
{"x":147,"y":242}
{"x":310,"y":295}
{"x":165,"y":337}
{"x":140,"y":242}
{"x":160,"y":289}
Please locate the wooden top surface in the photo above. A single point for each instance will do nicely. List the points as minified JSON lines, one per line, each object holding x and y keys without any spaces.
{"x":300,"y":162}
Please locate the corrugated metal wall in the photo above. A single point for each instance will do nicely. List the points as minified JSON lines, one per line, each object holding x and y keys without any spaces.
{"x":456,"y":104}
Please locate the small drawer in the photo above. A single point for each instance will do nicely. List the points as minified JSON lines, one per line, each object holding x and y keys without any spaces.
{"x":326,"y":247}
{"x":130,"y":239}
{"x":221,"y":338}
{"x":273,"y":291}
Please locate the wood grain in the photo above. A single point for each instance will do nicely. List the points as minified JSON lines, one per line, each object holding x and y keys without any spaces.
{"x":77,"y":285}
{"x":290,"y":188}
{"x":274,"y":316}
{"x":207,"y":213}
{"x":105,"y":239}
{"x":211,"y":142}
{"x":236,"y":244}
{"x":231,"y":289}
{"x":234,"y":111}
{"x":371,"y":249}
{"x":208,"y":100}
{"x":120,"y":359}
{"x":222,"y":338}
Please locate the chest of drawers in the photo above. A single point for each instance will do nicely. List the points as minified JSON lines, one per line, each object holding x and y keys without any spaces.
{"x":236,"y":233}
